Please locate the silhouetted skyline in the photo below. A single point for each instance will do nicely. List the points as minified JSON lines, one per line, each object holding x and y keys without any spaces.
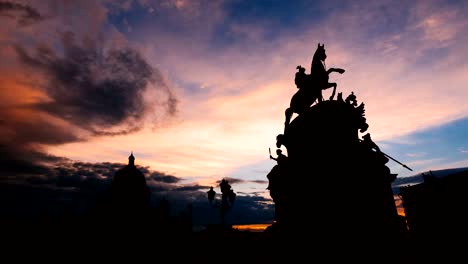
{"x":196,"y":90}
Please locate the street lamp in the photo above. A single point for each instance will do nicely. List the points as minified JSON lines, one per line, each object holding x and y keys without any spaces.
{"x":211,"y":195}
{"x":228,"y":196}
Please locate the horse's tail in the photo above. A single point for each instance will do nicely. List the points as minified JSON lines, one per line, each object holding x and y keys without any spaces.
{"x":288,"y":114}
{"x":297,"y":100}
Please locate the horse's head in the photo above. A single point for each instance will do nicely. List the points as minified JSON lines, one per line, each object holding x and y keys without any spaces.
{"x":320,"y":53}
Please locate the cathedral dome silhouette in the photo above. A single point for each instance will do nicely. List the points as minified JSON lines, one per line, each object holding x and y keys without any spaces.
{"x":129,"y":188}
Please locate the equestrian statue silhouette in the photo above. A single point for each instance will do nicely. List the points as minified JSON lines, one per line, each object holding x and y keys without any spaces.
{"x":311,"y":86}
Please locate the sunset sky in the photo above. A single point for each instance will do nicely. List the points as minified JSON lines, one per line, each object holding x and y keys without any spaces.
{"x":197,"y":89}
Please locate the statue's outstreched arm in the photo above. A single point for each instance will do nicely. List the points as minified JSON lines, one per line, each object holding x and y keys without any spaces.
{"x":339,"y":70}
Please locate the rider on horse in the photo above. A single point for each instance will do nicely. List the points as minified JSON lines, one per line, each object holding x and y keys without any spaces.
{"x":311,"y":86}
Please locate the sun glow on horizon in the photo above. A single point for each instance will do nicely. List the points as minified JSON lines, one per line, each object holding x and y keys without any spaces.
{"x":252,"y":227}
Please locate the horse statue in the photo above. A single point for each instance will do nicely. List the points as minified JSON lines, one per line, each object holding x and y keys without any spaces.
{"x":319,"y":74}
{"x":311,"y":86}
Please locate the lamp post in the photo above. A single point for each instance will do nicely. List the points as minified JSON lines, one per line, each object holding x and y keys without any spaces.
{"x":228,"y":197}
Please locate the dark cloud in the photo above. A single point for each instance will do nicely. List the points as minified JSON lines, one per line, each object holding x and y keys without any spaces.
{"x":27,"y":131}
{"x":192,"y":188}
{"x":231,"y":180}
{"x":160,"y":187}
{"x":157,"y":177}
{"x":99,"y":92}
{"x":94,"y":89}
{"x":24,"y":14}
{"x":15,"y":163}
{"x":50,"y":188}
{"x":260,"y":181}
{"x":60,"y":172}
{"x":20,"y":154}
{"x":162,"y":177}
{"x":76,"y":186}
{"x":257,"y":193}
{"x":61,"y":179}
{"x":236,"y":181}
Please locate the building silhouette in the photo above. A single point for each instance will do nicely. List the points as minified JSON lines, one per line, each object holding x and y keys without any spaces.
{"x":436,"y":209}
{"x":130,"y":194}
{"x":130,"y":214}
